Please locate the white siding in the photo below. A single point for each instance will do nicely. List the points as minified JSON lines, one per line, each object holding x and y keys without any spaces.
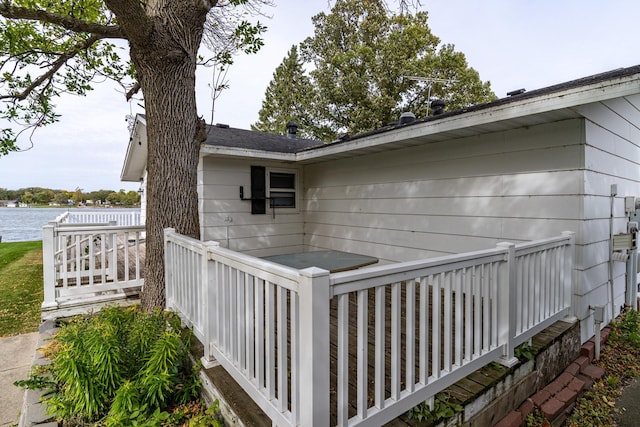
{"x":449,"y":197}
{"x":612,"y":156}
{"x":474,"y":192}
{"x":227,"y":219}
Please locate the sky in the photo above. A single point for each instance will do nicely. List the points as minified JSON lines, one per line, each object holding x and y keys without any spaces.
{"x":511,"y":43}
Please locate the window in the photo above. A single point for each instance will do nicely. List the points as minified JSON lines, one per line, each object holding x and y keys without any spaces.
{"x":282,"y":189}
{"x":277,"y":186}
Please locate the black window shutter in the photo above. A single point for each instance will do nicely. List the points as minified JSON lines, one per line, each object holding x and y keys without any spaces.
{"x":258,"y":190}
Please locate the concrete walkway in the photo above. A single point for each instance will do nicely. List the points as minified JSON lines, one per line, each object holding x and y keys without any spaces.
{"x":16,"y":356}
{"x":629,"y":406}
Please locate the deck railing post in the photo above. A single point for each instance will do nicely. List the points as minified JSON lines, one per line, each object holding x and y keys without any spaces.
{"x":506,"y":304}
{"x":208,"y":302}
{"x":568,"y":275}
{"x":314,"y":347}
{"x":168,"y":268}
{"x":49,"y":266}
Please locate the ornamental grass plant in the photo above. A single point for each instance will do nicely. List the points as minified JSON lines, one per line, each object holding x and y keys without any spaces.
{"x":119,"y":367}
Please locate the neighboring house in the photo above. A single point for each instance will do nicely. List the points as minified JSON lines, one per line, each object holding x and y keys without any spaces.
{"x":521,"y":168}
{"x":8,"y":203}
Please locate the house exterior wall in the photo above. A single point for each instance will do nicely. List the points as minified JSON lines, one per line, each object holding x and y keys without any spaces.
{"x":228,"y":220}
{"x":612,"y":156}
{"x":449,"y":197}
{"x":471,"y":193}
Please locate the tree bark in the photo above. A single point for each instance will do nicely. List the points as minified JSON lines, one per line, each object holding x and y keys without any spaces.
{"x":166,"y":64}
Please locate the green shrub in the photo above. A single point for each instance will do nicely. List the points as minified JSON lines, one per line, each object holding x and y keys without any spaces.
{"x":442,"y":409}
{"x":121,"y":366}
{"x":524,"y":352}
{"x":629,"y":328}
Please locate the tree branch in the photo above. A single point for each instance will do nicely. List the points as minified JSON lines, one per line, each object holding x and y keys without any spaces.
{"x":133,"y":91}
{"x":134,"y":22}
{"x":70,"y":23}
{"x":84,"y":45}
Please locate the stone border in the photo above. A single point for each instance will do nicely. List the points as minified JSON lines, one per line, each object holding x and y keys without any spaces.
{"x":557,"y":398}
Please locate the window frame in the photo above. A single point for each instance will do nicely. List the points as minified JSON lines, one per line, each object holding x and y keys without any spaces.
{"x":294,"y":190}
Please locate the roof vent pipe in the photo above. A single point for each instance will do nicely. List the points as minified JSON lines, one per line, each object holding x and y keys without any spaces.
{"x":292,"y":129}
{"x":437,"y":106}
{"x":516,"y":92}
{"x":407,"y":117}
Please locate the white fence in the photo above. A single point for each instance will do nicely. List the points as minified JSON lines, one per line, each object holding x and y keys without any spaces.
{"x":83,"y":260}
{"x":132,"y":217}
{"x":385,"y":338}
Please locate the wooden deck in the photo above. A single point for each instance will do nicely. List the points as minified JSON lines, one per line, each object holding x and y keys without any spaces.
{"x":461,"y":393}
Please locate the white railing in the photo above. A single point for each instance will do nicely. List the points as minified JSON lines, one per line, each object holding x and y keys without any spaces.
{"x":542,"y":294}
{"x":81,"y":260}
{"x":401,"y":332}
{"x":132,"y":217}
{"x":244,"y":310}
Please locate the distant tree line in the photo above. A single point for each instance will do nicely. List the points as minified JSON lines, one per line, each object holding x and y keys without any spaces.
{"x":46,"y":196}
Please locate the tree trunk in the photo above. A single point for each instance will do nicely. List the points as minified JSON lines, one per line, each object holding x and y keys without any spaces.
{"x":166,"y":71}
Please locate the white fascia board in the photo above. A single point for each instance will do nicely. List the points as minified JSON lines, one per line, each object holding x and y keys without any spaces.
{"x":569,"y":98}
{"x":135,"y":159}
{"x":124,"y":174}
{"x":218,"y":151}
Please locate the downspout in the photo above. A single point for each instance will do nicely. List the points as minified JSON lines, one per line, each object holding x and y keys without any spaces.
{"x":614,"y":191}
{"x":598,"y":318}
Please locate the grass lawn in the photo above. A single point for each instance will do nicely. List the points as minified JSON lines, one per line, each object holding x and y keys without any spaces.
{"x":21,"y":289}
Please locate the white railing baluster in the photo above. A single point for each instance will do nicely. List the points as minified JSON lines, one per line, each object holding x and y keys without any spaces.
{"x":281,"y":335}
{"x":380,"y":348}
{"x":459,"y":319}
{"x":92,"y":261}
{"x":362,"y":354}
{"x":495,"y":306}
{"x":410,"y":336}
{"x":260,"y":352}
{"x":233,"y":315}
{"x":242,"y":328}
{"x":114,"y":256}
{"x":424,"y":330}
{"x":477,"y":311}
{"x":343,"y":360}
{"x":436,"y":325}
{"x":396,"y":331}
{"x":76,"y":255}
{"x":250,"y":346}
{"x":468,"y":312}
{"x":487,"y":308}
{"x":270,"y":343}
{"x":447,"y":320}
{"x":295,"y":359}
{"x":125,"y":255}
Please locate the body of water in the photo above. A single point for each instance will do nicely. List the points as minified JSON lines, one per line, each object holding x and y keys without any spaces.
{"x":25,"y":224}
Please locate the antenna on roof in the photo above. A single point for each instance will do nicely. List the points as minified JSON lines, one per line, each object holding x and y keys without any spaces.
{"x":430,"y":81}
